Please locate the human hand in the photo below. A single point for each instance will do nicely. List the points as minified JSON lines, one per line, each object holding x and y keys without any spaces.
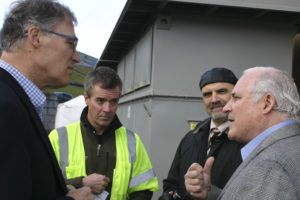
{"x":96,"y":182}
{"x":171,"y":193}
{"x":167,"y":195}
{"x":70,"y":187}
{"x":83,"y":193}
{"x":197,"y":179}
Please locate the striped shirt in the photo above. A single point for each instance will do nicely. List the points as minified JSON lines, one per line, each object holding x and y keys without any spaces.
{"x":35,"y":95}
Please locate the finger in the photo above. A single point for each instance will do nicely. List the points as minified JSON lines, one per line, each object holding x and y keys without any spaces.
{"x":106,"y":184}
{"x":208,"y":165}
{"x":86,"y":189}
{"x":106,"y":179}
{"x":193,"y":188}
{"x":196,"y":174}
{"x":194,"y":181}
{"x":195,"y":166}
{"x":70,"y":187}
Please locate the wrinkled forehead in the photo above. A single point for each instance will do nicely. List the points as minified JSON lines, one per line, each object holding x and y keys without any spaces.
{"x":243,"y":84}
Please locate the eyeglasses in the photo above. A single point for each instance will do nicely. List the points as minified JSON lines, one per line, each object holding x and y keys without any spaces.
{"x":74,"y":38}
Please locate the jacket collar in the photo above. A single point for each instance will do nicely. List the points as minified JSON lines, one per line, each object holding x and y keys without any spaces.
{"x":36,"y":122}
{"x":282,"y":133}
{"x":115,"y":124}
{"x":202,"y":125}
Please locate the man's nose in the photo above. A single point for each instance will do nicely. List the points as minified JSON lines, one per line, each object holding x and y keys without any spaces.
{"x":227,"y":107}
{"x":106,"y":106}
{"x":76,"y":57}
{"x":214,"y":97}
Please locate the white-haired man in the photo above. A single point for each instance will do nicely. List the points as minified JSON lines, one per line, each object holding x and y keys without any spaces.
{"x":264,"y":113}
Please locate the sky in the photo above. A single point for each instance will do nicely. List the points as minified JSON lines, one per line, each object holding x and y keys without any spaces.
{"x":96,"y":20}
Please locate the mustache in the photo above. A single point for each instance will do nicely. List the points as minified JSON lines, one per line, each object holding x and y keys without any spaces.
{"x":105,"y":115}
{"x":217,"y":104}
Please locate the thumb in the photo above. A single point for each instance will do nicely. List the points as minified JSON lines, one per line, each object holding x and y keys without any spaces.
{"x":71,"y":187}
{"x":208,"y":165}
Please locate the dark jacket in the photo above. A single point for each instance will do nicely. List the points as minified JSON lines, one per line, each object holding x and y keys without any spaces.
{"x":193,"y":148}
{"x":29,"y":170}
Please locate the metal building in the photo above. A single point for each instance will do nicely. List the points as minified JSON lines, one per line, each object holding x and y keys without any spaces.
{"x":161,"y":48}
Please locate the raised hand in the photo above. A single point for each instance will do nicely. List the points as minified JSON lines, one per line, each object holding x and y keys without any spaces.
{"x":197,"y":179}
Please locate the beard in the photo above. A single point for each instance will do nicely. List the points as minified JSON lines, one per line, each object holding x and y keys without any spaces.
{"x":218,"y":115}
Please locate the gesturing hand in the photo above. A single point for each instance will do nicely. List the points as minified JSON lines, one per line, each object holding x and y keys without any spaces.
{"x":197,"y":179}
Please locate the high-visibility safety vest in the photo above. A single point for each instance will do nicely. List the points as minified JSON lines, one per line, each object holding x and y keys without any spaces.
{"x":133,"y":171}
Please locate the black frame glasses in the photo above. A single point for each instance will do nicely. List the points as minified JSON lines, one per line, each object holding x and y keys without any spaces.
{"x":74,"y":38}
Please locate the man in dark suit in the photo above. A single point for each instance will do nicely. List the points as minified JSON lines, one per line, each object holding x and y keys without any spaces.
{"x":264,"y":112}
{"x":209,"y":138}
{"x":39,"y":50}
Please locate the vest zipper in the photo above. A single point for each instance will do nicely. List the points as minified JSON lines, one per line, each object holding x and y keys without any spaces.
{"x":98,"y":149}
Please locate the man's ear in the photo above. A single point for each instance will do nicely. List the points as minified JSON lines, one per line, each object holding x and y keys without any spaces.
{"x":34,"y":34}
{"x":269,"y":103}
{"x":86,"y":98}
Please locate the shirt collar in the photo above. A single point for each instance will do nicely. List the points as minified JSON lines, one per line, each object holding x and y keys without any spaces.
{"x":35,"y":95}
{"x":249,"y":148}
{"x":115,"y":124}
{"x":221,"y":128}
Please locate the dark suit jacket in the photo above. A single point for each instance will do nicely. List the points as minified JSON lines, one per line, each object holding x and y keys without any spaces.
{"x":193,"y":148}
{"x":28,"y":168}
{"x":271,"y":171}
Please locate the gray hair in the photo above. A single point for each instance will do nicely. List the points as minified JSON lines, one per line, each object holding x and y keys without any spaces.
{"x":279,"y":84}
{"x":44,"y":14}
{"x":105,"y":77}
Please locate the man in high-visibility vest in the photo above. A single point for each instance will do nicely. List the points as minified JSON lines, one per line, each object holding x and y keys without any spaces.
{"x":98,"y":151}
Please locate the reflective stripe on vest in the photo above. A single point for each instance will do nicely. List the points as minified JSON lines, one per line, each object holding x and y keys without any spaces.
{"x":131,"y":142}
{"x":64,"y":148}
{"x":142,"y":178}
{"x":64,"y":152}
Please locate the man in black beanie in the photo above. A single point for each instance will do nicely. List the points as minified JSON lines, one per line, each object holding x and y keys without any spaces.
{"x":209,"y":138}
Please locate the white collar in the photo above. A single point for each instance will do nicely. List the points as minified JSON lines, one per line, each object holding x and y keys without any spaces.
{"x":221,"y":127}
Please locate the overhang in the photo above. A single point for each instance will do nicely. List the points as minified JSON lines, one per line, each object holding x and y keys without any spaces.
{"x":138,"y":15}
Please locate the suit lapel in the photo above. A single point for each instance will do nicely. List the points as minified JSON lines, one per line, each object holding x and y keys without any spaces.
{"x":36,"y":121}
{"x":201,"y":140}
{"x":279,"y":134}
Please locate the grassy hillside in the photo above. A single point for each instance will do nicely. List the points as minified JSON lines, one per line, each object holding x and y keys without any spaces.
{"x":78,"y":75}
